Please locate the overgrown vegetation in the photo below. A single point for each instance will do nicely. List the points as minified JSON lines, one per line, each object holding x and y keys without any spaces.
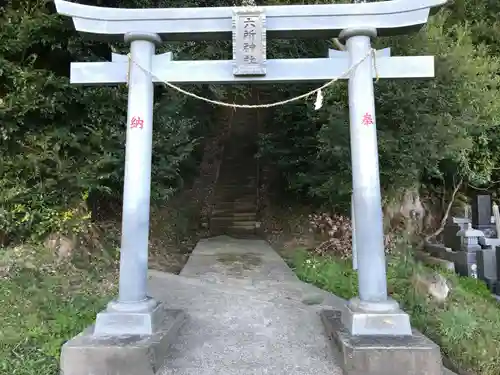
{"x":431,"y":132}
{"x":44,"y":303}
{"x":466,"y":325}
{"x":63,"y":145}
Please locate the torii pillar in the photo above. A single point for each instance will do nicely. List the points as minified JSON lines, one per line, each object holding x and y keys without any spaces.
{"x":372,"y":333}
{"x":372,"y":312}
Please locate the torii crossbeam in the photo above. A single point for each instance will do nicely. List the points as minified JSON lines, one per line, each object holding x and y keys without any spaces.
{"x":373,"y":313}
{"x":290,"y":21}
{"x":278,"y":70}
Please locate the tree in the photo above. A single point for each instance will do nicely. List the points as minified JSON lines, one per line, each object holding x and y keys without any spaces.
{"x":428,"y":130}
{"x":62,"y":144}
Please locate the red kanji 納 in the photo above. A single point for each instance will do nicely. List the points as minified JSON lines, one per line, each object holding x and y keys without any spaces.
{"x":136,"y":122}
{"x":367,"y":119}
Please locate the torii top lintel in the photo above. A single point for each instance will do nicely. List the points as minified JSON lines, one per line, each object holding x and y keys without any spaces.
{"x":283,"y":21}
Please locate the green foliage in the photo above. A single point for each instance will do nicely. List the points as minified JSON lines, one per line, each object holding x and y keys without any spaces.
{"x":337,"y":276}
{"x":475,"y":286}
{"x":466,"y":326}
{"x":43,"y":305}
{"x":441,"y":128}
{"x":61,"y":143}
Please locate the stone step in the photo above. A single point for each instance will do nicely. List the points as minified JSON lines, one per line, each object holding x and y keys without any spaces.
{"x":236,"y":216}
{"x":229,"y":220}
{"x":232,"y":197}
{"x":244,"y":157}
{"x":249,"y":169}
{"x":234,"y":231}
{"x":220,"y":224}
{"x":229,"y":204}
{"x":249,"y":205}
{"x":236,"y":187}
{"x":234,"y":164}
{"x":226,"y":209}
{"x":241,"y":198}
{"x":250,"y":202}
{"x":228,"y":229}
{"x":227,"y":201}
{"x":233,"y":194}
{"x":232,"y":212}
{"x":240,"y":189}
{"x":246,"y":224}
{"x":233,"y":179}
{"x":236,"y":200}
{"x":232,"y":223}
{"x":242,"y":228}
{"x":235,"y":197}
{"x":245,"y":146}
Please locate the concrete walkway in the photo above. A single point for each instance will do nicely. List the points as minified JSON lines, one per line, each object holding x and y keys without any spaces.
{"x":247,"y":314}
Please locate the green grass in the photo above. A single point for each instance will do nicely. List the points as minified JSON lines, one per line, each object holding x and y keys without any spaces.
{"x":466,"y":326}
{"x":43,"y":304}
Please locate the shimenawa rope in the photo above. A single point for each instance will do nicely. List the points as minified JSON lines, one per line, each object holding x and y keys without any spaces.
{"x":317,"y":91}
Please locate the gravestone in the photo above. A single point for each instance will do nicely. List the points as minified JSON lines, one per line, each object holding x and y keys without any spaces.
{"x":497,"y":267}
{"x":487,"y":267}
{"x":452,"y":227}
{"x":482,"y":213}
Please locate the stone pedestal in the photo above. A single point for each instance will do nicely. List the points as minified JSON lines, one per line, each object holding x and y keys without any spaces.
{"x":487,"y":267}
{"x":140,"y":318}
{"x":382,"y":355}
{"x":91,"y":354}
{"x":365,"y":318}
{"x":466,"y":262}
{"x":496,"y":288}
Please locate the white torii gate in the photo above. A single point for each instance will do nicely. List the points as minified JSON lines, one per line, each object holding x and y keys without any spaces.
{"x":373,"y":313}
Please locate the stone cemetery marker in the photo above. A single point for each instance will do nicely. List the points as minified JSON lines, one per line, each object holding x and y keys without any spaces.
{"x":496,"y":215}
{"x":452,"y":227}
{"x":497,"y":267}
{"x":487,"y":267}
{"x":481,"y":214}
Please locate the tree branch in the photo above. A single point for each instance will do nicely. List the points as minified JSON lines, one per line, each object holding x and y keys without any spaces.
{"x":447,"y":212}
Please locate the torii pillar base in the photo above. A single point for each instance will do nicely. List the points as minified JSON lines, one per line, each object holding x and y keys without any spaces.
{"x":126,"y":354}
{"x":411,"y":354}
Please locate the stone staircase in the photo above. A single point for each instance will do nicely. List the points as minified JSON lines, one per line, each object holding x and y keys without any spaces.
{"x":235,"y":207}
